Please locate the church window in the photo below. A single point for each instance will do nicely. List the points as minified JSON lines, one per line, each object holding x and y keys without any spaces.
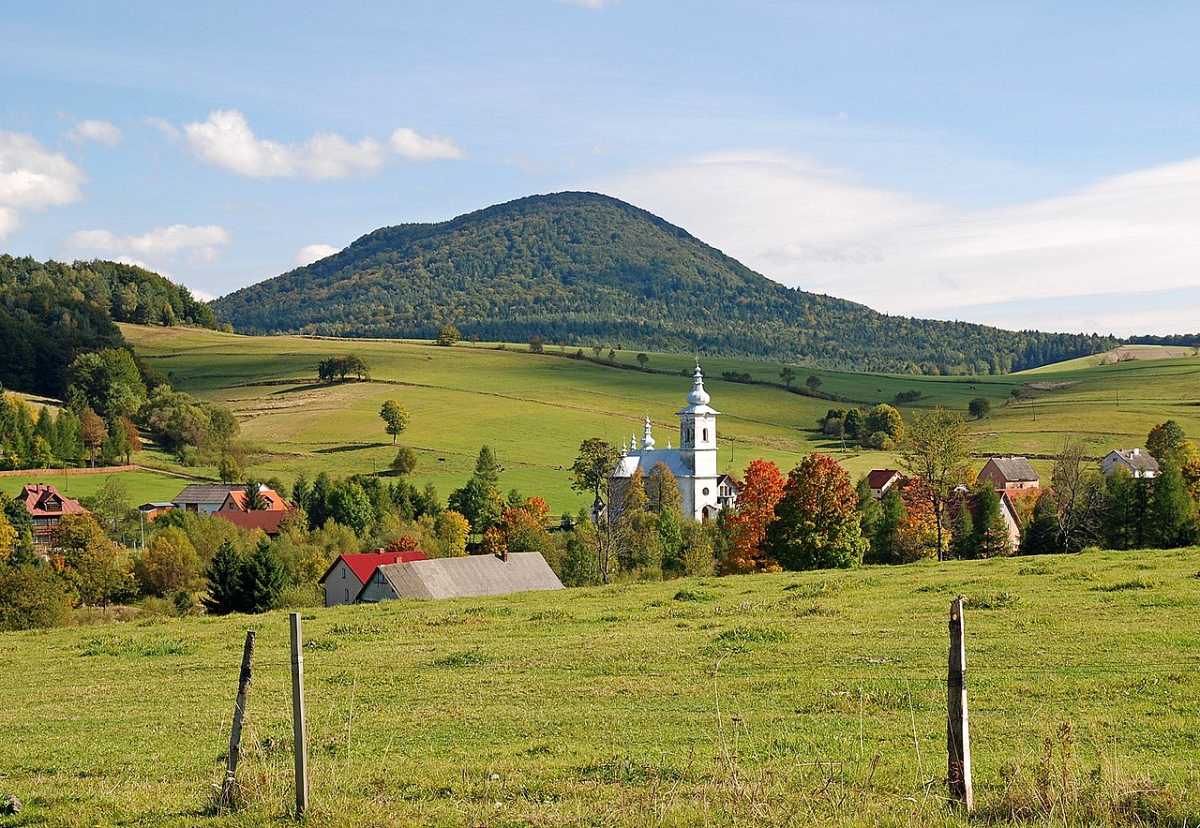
{"x":706,"y":435}
{"x":705,"y":491}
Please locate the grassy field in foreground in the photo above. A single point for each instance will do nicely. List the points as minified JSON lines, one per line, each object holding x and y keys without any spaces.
{"x":791,"y":699}
{"x":534,"y":410}
{"x":143,"y":486}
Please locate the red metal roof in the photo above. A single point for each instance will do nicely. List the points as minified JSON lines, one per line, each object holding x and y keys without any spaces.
{"x":38,"y":496}
{"x":364,"y":564}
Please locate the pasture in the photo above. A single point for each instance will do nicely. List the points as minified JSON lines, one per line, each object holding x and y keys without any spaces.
{"x":143,"y":486}
{"x":535,"y":409}
{"x":792,"y":699}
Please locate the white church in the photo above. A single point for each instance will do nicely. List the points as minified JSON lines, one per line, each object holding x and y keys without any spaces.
{"x":703,"y":491}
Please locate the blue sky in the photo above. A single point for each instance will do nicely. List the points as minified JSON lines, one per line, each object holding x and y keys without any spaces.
{"x":1030,"y":165}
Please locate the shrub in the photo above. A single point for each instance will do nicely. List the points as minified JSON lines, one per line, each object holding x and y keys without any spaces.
{"x":33,"y":597}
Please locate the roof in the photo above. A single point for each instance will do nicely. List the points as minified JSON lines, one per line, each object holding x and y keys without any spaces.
{"x":44,"y":500}
{"x":878,"y":478}
{"x":205,"y":493}
{"x":1014,"y":468}
{"x":274,"y":502}
{"x":1139,"y":459}
{"x":364,"y":564}
{"x":268,"y":522}
{"x":647,"y":460}
{"x":471,"y":576}
{"x":156,"y":504}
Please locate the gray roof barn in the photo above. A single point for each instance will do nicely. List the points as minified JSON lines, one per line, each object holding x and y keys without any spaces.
{"x":1015,"y":469}
{"x":465,"y":577}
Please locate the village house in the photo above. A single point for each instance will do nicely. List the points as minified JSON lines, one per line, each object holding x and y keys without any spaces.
{"x":204,"y":498}
{"x":465,"y":577}
{"x":703,"y":491}
{"x":271,"y":501}
{"x":46,"y":506}
{"x":1138,"y":462}
{"x":151,"y":511}
{"x":269,"y":522}
{"x":1009,"y":474}
{"x":346,"y":576}
{"x":880,"y":480}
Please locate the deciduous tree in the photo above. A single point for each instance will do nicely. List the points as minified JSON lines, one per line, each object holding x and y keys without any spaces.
{"x":936,"y":450}
{"x":816,"y":524}
{"x":395,"y":418}
{"x":762,"y":488}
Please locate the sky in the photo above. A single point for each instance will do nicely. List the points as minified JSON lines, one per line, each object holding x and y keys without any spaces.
{"x":1029,"y":165}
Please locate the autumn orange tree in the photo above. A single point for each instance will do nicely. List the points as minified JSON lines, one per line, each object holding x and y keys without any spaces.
{"x":761,"y":489}
{"x":816,"y":522}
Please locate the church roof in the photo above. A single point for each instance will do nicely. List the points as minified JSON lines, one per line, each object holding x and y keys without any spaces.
{"x":647,"y":460}
{"x":698,"y":398}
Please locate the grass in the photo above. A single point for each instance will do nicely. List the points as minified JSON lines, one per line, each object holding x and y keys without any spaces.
{"x":534,"y":410}
{"x":630,"y":706}
{"x":143,"y":486}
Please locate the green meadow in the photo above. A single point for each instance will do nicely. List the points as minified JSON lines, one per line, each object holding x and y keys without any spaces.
{"x":535,"y":409}
{"x":791,"y":699}
{"x":142,"y":486}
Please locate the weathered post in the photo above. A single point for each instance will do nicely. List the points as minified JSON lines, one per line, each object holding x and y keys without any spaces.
{"x":958,"y":734}
{"x":235,"y":735}
{"x":299,"y":737}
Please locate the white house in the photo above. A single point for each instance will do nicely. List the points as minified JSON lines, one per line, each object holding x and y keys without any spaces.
{"x":703,"y":490}
{"x":1136,"y":461}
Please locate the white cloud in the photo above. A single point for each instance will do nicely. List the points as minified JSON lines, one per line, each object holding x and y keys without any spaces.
{"x":33,"y":178}
{"x":102,"y":132}
{"x":410,"y":144}
{"x":314,"y":252}
{"x":820,"y":229}
{"x":201,"y":243}
{"x":226,"y":140}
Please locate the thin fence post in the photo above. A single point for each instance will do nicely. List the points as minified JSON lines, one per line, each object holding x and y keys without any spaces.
{"x":235,"y":734}
{"x":299,"y":736}
{"x":958,"y":733}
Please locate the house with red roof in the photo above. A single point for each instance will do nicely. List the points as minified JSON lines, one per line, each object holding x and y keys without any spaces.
{"x":46,"y":506}
{"x":880,"y":480}
{"x":346,"y":576}
{"x":271,"y":501}
{"x":268,"y":521}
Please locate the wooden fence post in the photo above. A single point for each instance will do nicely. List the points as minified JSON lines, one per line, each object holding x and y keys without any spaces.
{"x":299,"y":736}
{"x":235,"y":735}
{"x":958,"y":733}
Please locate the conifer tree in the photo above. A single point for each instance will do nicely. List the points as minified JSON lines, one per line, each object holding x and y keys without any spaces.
{"x":1172,"y":510}
{"x":225,"y":581}
{"x":262,"y":579}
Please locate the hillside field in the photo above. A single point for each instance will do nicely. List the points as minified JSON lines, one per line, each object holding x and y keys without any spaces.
{"x":791,"y":699}
{"x":535,"y":409}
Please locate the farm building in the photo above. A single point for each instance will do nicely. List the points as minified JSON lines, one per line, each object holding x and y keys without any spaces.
{"x":204,"y":498}
{"x":880,"y":480}
{"x":150,"y":511}
{"x":703,"y":490}
{"x":1138,"y":462}
{"x":346,"y":576}
{"x":46,"y":506}
{"x":467,"y":577}
{"x":1009,"y":474}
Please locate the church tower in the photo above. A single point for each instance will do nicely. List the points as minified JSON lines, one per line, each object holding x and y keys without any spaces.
{"x":698,"y":450}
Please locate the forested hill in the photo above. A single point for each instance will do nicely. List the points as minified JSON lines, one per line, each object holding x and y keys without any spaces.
{"x":586,"y":269}
{"x":51,"y":312}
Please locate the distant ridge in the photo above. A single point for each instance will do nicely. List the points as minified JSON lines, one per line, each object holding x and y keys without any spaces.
{"x":589,"y":270}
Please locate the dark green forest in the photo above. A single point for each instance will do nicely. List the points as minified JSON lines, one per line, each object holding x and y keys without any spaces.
{"x":51,"y":312}
{"x":585,"y":269}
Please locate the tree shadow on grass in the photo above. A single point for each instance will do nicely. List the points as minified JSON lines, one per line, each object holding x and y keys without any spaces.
{"x":350,"y":447}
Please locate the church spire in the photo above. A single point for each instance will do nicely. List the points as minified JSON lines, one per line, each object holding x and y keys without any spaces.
{"x":698,"y":396}
{"x":647,"y":437}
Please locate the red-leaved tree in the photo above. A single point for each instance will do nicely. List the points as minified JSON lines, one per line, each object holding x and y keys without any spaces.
{"x":762,"y":488}
{"x":816,"y":522}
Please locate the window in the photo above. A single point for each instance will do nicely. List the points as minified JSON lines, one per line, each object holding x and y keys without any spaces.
{"x":343,"y":573}
{"x":706,"y":435}
{"x":705,"y":491}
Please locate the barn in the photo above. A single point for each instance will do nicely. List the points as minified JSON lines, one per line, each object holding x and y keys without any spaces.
{"x":467,"y":577}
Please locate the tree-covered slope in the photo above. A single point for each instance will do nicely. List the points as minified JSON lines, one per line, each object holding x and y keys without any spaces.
{"x":586,"y":269}
{"x":51,"y":312}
